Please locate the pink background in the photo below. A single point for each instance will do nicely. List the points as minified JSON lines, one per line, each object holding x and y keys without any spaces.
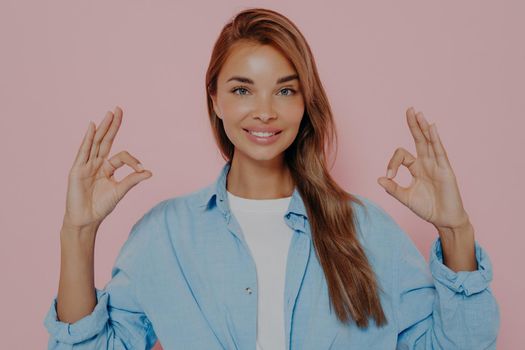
{"x":64,"y":63}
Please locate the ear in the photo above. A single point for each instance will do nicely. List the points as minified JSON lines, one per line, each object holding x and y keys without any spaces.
{"x":215,"y":106}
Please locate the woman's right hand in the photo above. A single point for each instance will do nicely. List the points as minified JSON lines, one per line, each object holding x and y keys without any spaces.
{"x":92,"y":191}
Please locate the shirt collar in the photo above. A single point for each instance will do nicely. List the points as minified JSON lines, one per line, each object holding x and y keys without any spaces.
{"x":216,"y":194}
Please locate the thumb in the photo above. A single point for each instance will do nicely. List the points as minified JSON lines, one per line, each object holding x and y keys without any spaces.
{"x":131,"y":180}
{"x":383,"y":181}
{"x":391,"y":187}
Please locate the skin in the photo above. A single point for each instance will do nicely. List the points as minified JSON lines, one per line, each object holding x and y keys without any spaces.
{"x":259,"y":171}
{"x":433,"y":193}
{"x":92,"y":194}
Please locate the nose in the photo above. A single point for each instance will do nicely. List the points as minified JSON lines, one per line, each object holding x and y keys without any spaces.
{"x":265,"y":111}
{"x":266,"y":117}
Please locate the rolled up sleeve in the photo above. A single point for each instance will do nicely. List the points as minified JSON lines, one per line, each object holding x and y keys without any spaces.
{"x":442,"y":309}
{"x":117,"y":320}
{"x":83,"y":329}
{"x":466,"y":282}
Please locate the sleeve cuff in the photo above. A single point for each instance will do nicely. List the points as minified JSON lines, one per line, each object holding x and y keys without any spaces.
{"x":467,"y":282}
{"x":83,"y":329}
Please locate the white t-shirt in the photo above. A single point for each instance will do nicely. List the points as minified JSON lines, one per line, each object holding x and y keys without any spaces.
{"x":268,"y":237}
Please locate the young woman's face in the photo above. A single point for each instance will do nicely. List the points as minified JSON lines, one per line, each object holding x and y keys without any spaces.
{"x":258,"y":90}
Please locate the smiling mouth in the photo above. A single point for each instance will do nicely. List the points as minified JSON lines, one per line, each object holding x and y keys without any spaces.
{"x":277,"y":133}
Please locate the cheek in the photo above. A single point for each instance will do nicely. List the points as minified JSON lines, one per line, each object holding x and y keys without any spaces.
{"x":234,"y":107}
{"x":292,"y":106}
{"x":294,"y":113}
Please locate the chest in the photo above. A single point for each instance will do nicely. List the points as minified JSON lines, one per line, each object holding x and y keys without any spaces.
{"x":200,"y":290}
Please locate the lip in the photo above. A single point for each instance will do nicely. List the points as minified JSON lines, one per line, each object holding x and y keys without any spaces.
{"x":262,"y":140}
{"x":263,"y":129}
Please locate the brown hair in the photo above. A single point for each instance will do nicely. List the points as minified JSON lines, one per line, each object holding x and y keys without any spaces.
{"x":351,"y":281}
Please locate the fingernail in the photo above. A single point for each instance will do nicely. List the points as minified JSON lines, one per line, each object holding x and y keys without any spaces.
{"x":140,"y":167}
{"x":389,"y":173}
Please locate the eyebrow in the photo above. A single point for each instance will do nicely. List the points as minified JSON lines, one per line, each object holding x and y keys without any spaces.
{"x":249,"y":81}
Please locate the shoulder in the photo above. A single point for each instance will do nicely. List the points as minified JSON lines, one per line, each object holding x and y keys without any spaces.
{"x":370,"y":212}
{"x":376,"y":226}
{"x":159,"y":219}
{"x":172,"y":210}
{"x":386,"y":244}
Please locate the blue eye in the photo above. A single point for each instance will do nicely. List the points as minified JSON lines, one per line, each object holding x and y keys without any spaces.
{"x":292,"y":90}
{"x":239,"y":88}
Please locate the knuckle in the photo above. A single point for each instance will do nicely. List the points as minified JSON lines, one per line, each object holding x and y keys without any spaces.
{"x":126,"y":157}
{"x":122,"y":154}
{"x":109,"y":162}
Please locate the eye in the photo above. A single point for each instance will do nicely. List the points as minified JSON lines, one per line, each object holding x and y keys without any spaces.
{"x":292,"y":90}
{"x":239,"y":88}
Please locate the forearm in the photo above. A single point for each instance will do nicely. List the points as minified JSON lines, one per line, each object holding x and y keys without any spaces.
{"x":76,"y":290}
{"x":453,"y":311}
{"x":458,"y":248}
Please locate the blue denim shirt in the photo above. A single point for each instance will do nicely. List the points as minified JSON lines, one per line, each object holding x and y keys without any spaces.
{"x":185,"y":277}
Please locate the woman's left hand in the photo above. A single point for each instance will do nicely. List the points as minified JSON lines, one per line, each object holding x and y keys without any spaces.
{"x":433,"y":193}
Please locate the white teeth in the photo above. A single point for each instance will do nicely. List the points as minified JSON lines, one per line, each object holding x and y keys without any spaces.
{"x":262,"y":134}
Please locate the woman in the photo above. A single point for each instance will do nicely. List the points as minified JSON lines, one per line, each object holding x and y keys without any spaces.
{"x":219,"y":268}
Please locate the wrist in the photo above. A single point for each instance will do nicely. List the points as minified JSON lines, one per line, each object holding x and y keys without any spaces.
{"x":461,"y":226}
{"x":465,"y":230}
{"x":68,"y":226}
{"x":458,"y":247}
{"x":83,"y":235}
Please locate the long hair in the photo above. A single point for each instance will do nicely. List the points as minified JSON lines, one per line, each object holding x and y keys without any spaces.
{"x":352,"y":285}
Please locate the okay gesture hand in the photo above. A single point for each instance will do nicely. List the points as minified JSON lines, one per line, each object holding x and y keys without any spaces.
{"x":433,"y":193}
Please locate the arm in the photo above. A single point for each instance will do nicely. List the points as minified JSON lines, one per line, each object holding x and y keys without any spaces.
{"x":441,"y":308}
{"x":451,"y":306}
{"x":116,"y":320}
{"x":458,"y":247}
{"x":76,"y":289}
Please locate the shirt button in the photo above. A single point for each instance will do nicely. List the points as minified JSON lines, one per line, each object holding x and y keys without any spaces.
{"x":248,"y":290}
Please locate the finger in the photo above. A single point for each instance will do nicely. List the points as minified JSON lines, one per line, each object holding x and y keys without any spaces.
{"x":401,"y":156}
{"x":101,"y":131}
{"x":85,"y":146}
{"x":417,"y":133}
{"x":107,"y":141}
{"x":130,"y":181}
{"x":423,"y":124}
{"x":108,"y":168}
{"x":120,"y":159}
{"x":439,"y":150}
{"x":394,"y":189}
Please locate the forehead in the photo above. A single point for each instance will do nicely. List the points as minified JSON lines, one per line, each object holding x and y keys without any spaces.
{"x":256,"y":61}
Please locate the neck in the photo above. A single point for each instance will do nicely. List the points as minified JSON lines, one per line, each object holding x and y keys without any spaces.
{"x":252,"y":179}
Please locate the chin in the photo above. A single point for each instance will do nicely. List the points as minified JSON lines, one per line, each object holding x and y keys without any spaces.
{"x":262,"y":155}
{"x":265,"y":157}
